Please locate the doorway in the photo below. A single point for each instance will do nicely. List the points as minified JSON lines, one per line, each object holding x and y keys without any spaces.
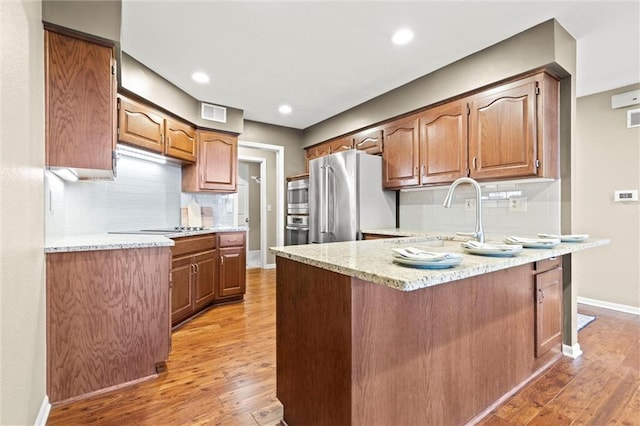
{"x":249,"y":205}
{"x":251,"y":198}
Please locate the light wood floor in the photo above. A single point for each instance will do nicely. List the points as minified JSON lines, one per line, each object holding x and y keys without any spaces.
{"x":222,"y":372}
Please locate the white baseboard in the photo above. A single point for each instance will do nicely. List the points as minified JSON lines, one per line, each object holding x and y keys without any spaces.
{"x":571,"y":351}
{"x":43,"y":414}
{"x":609,"y":305}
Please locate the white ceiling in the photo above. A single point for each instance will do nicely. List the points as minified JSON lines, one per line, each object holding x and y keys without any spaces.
{"x":325,"y":57}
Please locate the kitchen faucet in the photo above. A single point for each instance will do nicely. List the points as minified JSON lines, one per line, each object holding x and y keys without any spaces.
{"x":479,"y":233}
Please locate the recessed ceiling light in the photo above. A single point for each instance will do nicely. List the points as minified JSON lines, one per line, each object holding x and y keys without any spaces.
{"x":402,"y":36}
{"x":200,"y":77}
{"x":285,"y":109}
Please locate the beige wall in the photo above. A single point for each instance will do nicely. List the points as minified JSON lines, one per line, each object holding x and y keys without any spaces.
{"x":22,"y":286}
{"x":98,"y":18}
{"x":607,"y":158}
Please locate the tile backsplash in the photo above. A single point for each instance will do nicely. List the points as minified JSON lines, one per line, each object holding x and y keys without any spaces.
{"x":144,"y":195}
{"x":423,"y":209}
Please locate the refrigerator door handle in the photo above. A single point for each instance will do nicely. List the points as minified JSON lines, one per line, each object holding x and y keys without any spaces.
{"x":324,"y":195}
{"x":331,"y":199}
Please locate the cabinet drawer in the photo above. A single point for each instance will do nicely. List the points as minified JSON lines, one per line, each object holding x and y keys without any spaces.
{"x":193,"y":244}
{"x":235,"y":239}
{"x":547,"y":264}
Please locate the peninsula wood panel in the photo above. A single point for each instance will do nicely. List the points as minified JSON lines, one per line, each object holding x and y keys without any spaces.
{"x":80,"y":103}
{"x":107,"y":319}
{"x":444,"y":353}
{"x":313,"y":347}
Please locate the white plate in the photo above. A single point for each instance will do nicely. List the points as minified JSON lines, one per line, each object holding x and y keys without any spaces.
{"x":535,"y":244}
{"x":427,"y":264}
{"x":499,"y":252}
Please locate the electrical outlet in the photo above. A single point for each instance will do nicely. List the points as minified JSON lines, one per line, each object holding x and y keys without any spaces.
{"x":470,"y":204}
{"x":518,"y":204}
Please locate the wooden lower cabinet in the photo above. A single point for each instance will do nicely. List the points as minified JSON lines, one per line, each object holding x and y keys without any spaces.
{"x":206,"y":269}
{"x":194,"y":274}
{"x":548,"y":282}
{"x":233,"y":266}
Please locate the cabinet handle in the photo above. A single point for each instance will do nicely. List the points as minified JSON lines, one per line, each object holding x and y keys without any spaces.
{"x":422,"y":169}
{"x":168,"y":141}
{"x":197,"y":267}
{"x":416,"y":171}
{"x":221,"y":260}
{"x":474,"y":163}
{"x":193,"y":268}
{"x":540,"y":295}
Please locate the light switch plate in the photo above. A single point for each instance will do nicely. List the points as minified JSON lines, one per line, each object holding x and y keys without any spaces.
{"x":625,"y":195}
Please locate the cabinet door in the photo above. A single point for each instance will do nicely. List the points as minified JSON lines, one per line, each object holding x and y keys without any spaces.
{"x":548,"y":310}
{"x":317,"y":151}
{"x":369,"y":141}
{"x":180,"y":140}
{"x":140,"y":125}
{"x":232,"y":272}
{"x":181,"y":289}
{"x":217,"y":160}
{"x":80,"y":103}
{"x":400,"y":156}
{"x":502,"y":131}
{"x":206,"y":278}
{"x":443,"y":143}
{"x":341,"y":144}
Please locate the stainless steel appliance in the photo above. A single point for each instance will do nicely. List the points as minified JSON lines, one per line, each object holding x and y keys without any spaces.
{"x":346,"y":196}
{"x":297,"y":230}
{"x":298,"y":196}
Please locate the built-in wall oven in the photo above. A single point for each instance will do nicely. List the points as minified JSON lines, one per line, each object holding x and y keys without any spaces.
{"x":298,"y":196}
{"x":297,"y":230}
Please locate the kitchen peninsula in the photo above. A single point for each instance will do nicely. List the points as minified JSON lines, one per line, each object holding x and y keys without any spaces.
{"x":364,"y":341}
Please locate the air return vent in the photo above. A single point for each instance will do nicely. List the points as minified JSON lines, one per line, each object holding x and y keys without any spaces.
{"x":633,"y":118}
{"x":214,"y":113}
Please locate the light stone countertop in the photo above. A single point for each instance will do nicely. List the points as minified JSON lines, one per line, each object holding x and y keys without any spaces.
{"x":371,"y":260}
{"x":118,"y":241}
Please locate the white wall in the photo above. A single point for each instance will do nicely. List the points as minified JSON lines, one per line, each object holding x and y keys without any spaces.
{"x":607,"y":158}
{"x":144,"y":195}
{"x":423,"y":209}
{"x":22,"y":285}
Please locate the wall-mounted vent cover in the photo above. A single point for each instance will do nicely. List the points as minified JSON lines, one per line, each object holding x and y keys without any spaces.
{"x":626,"y":99}
{"x":214,"y":113}
{"x":633,"y":118}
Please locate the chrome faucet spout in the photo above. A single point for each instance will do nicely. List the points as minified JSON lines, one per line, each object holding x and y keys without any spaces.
{"x":478,"y":234}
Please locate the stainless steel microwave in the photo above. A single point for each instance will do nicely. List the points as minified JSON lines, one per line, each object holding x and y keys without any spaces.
{"x":298,"y":196}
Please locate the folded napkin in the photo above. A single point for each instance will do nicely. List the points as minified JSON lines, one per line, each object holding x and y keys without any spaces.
{"x":565,"y":237}
{"x":486,"y":246}
{"x":520,"y":240}
{"x":418,"y":254}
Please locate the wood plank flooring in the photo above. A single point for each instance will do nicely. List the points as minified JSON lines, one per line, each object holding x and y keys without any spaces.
{"x":222,"y":372}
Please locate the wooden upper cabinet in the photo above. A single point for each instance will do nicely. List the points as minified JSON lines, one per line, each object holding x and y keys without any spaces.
{"x":80,"y":102}
{"x":443,"y":143}
{"x":216,"y":166}
{"x":400,"y":158}
{"x":180,"y":140}
{"x":369,"y":141}
{"x":140,"y":125}
{"x":503,"y":131}
{"x":317,"y":151}
{"x":344,"y":143}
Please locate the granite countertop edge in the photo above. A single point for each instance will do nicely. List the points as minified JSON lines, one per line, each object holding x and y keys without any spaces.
{"x":373,"y":262}
{"x":106,"y":241}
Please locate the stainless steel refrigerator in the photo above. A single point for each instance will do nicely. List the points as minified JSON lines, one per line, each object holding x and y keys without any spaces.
{"x":346,"y":196}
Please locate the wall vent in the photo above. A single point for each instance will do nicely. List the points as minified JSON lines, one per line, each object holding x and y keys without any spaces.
{"x":633,"y":118}
{"x":626,"y":99}
{"x":214,"y":113}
